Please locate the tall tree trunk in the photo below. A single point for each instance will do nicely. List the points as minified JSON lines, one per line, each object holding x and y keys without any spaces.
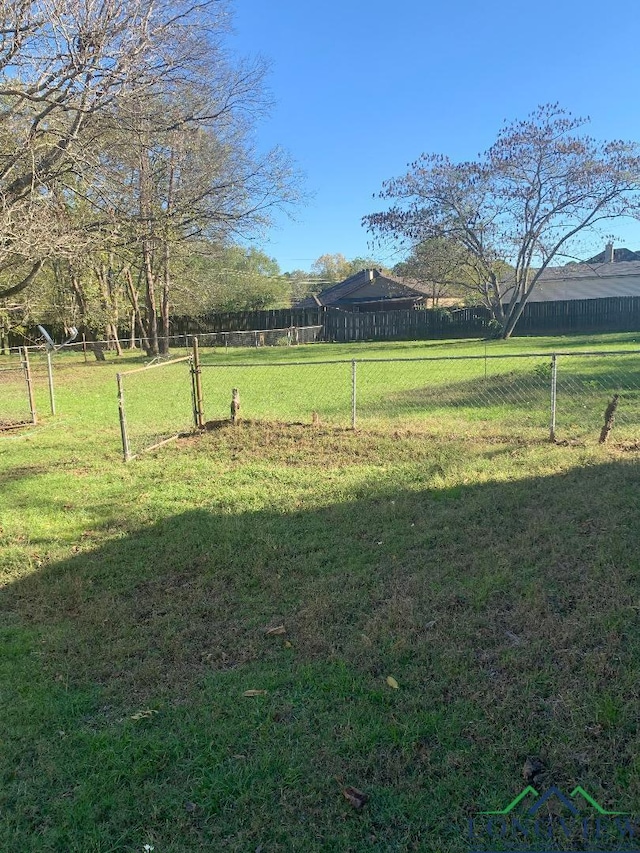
{"x":104,"y":276}
{"x":137,"y":316}
{"x":146,"y":218}
{"x":164,"y":341}
{"x":87,"y":330}
{"x":166,"y":281}
{"x":150,"y":299}
{"x":113,"y":334}
{"x":512,"y":318}
{"x":132,"y":330}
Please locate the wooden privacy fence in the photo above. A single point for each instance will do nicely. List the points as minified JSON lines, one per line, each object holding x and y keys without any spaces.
{"x":615,"y":314}
{"x":620,"y":313}
{"x":346,"y":326}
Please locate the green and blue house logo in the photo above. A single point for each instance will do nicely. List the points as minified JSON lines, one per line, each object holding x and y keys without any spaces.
{"x":554,"y":820}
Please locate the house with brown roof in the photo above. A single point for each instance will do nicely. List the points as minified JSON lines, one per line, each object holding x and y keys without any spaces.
{"x":369,"y":290}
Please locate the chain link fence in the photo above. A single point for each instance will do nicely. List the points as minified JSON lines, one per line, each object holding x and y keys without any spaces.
{"x":458,"y":394}
{"x":280,"y":391}
{"x":265,"y":338}
{"x":587,"y":383}
{"x":560,"y":396}
{"x":17,"y":392}
{"x":285,"y":337}
{"x":156,"y":404}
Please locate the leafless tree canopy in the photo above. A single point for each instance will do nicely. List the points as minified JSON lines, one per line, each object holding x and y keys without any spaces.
{"x":539,"y":185}
{"x":126,"y":131}
{"x":85,"y":82}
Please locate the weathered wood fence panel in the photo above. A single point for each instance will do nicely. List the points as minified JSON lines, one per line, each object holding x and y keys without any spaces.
{"x":620,"y":313}
{"x":615,"y":314}
{"x":345,"y":326}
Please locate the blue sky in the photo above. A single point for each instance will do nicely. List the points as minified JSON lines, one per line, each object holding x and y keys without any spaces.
{"x":362,"y":88}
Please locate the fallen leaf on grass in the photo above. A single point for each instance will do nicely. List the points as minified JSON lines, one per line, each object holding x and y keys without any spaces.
{"x":356,"y":798}
{"x":275,"y":632}
{"x":255,"y":693}
{"x":288,"y":645}
{"x":190,"y":807}
{"x":392,"y":682}
{"x":143,"y":715}
{"x":430,"y":625}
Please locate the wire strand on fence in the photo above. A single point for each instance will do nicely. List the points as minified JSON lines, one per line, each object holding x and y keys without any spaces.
{"x":254,"y":338}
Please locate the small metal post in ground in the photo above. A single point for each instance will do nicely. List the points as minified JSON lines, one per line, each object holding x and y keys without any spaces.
{"x":123,"y":421}
{"x":194,"y":405}
{"x":29,"y":380}
{"x":554,"y":390}
{"x":52,"y":397}
{"x":353,"y":394}
{"x":196,"y":373}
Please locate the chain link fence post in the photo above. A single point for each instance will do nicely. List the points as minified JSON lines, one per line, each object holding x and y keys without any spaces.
{"x":554,"y":391}
{"x":353,"y":394}
{"x":196,"y":378}
{"x":123,"y":421}
{"x":28,"y":378}
{"x":52,"y":396}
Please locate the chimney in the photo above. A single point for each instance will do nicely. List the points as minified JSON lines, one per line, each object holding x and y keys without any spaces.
{"x":368,"y":275}
{"x":608,"y":253}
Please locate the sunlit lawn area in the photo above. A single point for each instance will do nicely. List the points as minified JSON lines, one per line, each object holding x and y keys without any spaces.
{"x":493,"y":576}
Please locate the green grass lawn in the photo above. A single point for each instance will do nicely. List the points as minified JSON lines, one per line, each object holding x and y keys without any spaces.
{"x":493,"y":575}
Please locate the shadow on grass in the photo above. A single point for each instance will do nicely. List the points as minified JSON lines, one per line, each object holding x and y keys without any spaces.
{"x":507,"y":613}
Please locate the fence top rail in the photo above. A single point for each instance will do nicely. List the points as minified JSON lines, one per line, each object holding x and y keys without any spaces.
{"x":601,"y":352}
{"x":414,"y":358}
{"x":250,"y":331}
{"x":274,"y":363}
{"x":157,"y":364}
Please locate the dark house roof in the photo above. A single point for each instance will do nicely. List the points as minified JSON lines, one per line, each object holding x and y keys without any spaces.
{"x":618,"y":255}
{"x":366,"y":288}
{"x":592,"y":279}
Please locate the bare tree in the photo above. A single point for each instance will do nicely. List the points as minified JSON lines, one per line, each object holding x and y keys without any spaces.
{"x":126,"y":132}
{"x":181,"y":171}
{"x":538,"y":186}
{"x":63,"y":63}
